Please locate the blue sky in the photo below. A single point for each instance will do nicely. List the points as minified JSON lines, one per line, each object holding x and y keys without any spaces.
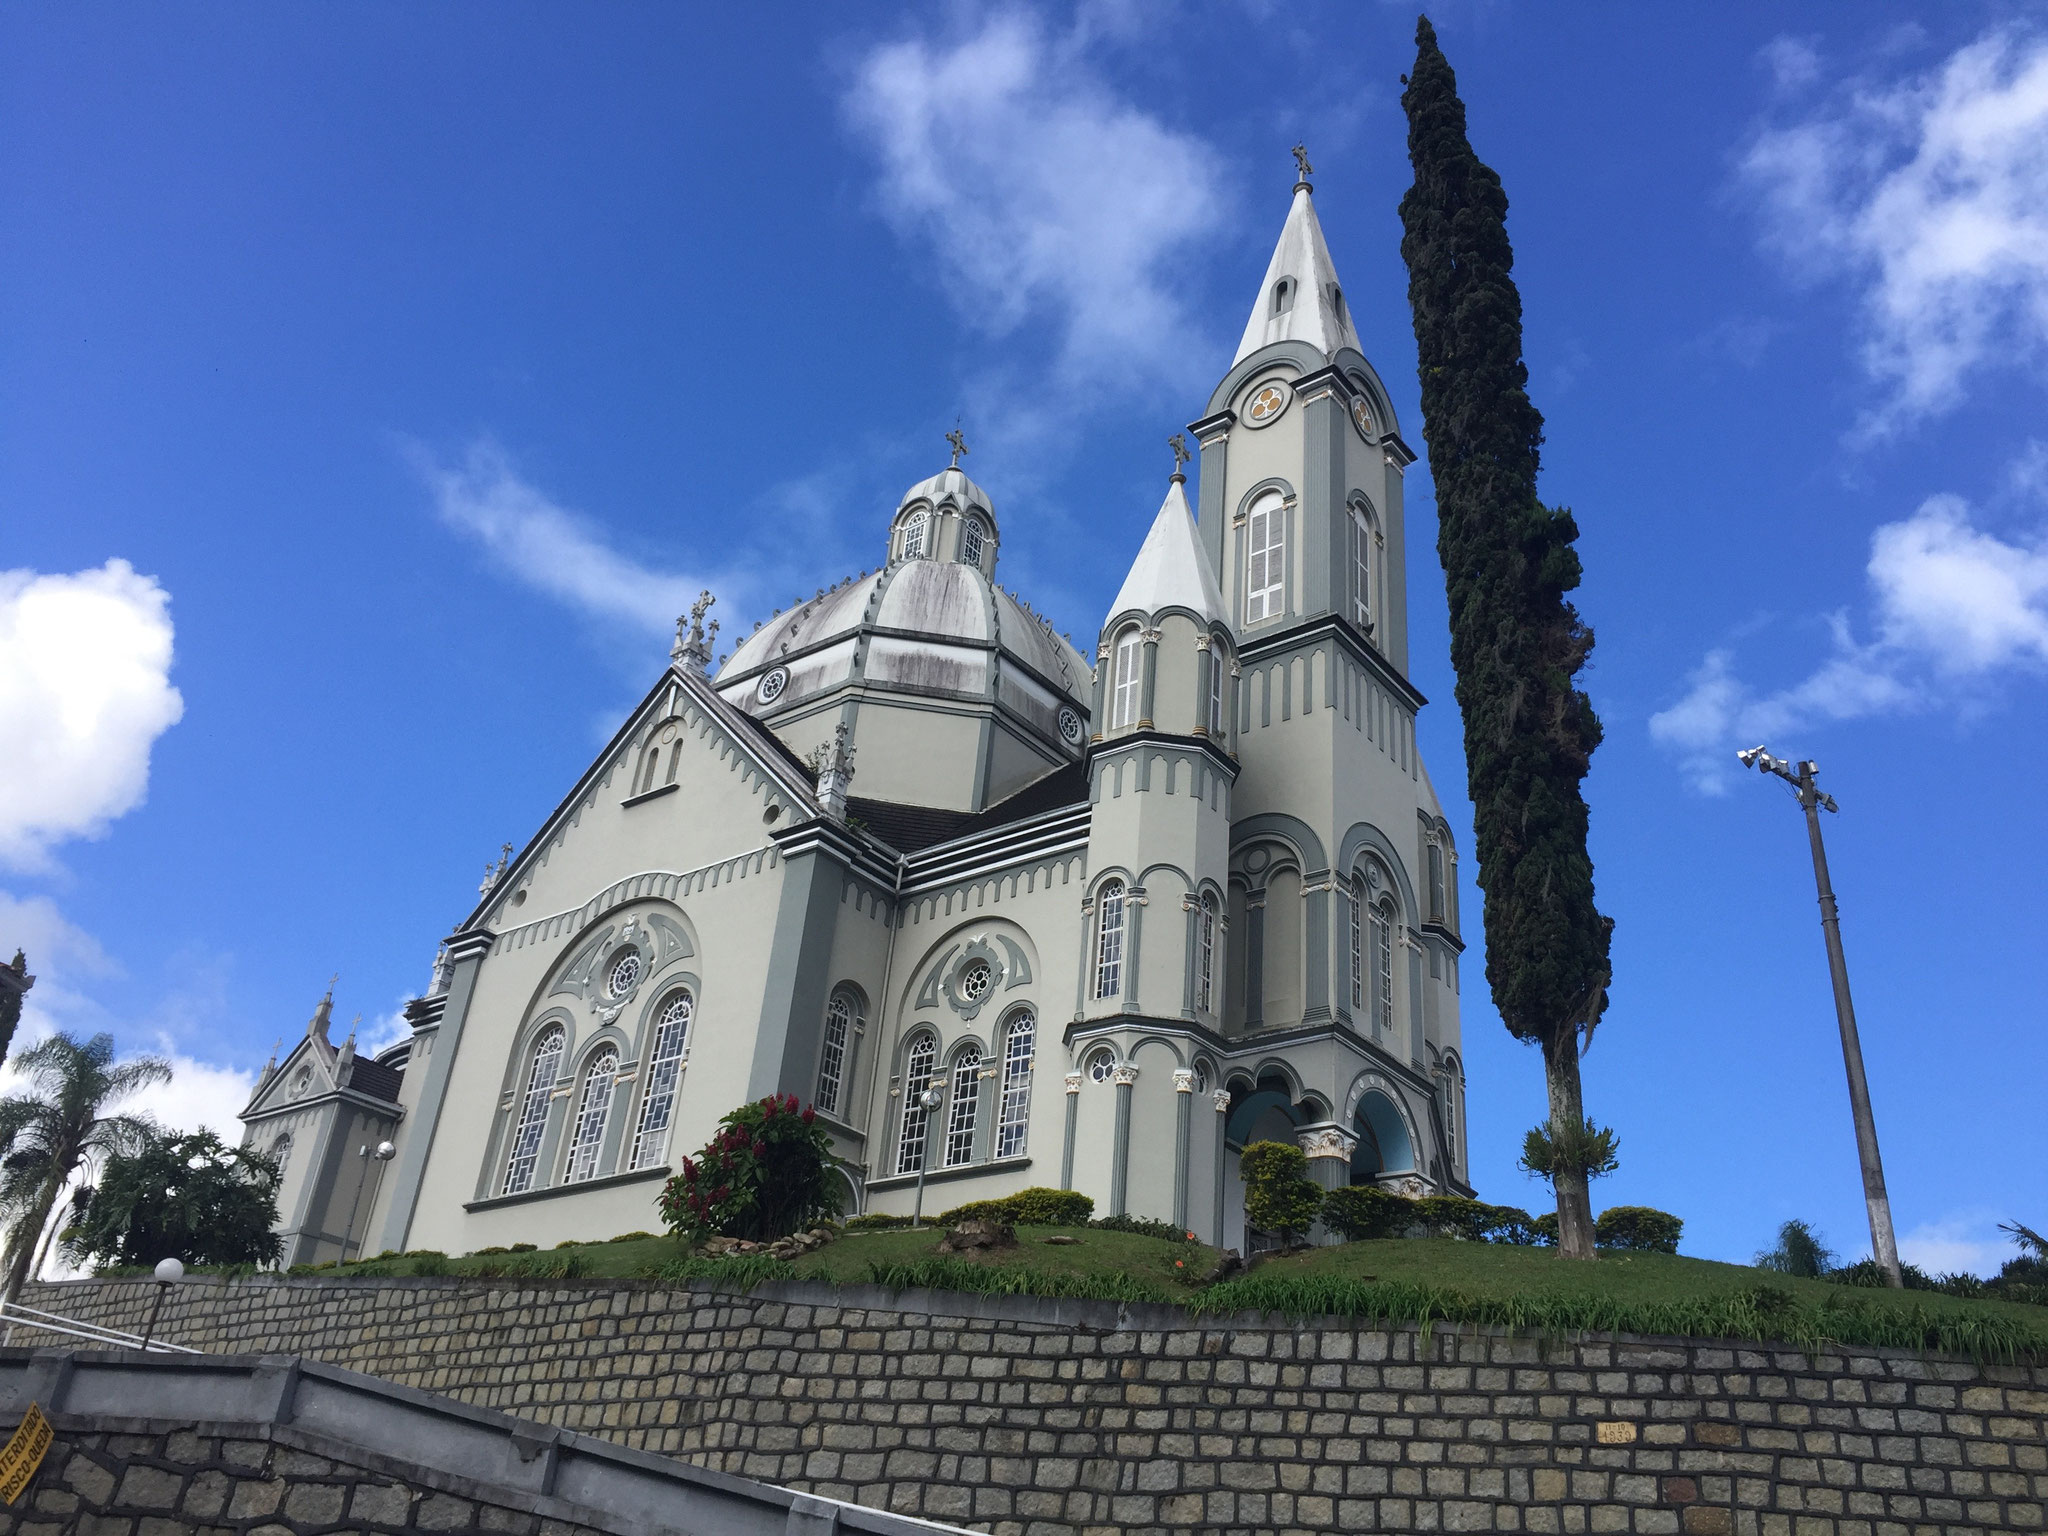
{"x":377,"y":382}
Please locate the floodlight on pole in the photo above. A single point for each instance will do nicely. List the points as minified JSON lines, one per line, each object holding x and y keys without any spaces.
{"x":168,"y":1273}
{"x":929,"y":1101}
{"x":1801,"y":776}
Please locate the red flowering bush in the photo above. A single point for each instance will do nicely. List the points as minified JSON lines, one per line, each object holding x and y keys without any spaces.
{"x":767,"y":1173}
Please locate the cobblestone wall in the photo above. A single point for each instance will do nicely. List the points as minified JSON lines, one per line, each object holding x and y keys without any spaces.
{"x":1031,"y":1418}
{"x":182,"y":1484}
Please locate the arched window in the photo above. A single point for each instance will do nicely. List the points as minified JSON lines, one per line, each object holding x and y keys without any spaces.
{"x":1437,"y":908}
{"x":1125,"y":680}
{"x":542,"y":1068}
{"x":1202,"y":1078}
{"x":1283,"y":296}
{"x":1383,"y":951}
{"x":970,"y":541}
{"x":1013,"y":1114}
{"x":1449,"y":1084}
{"x":1361,"y":569}
{"x":281,"y":1153}
{"x":1357,"y":946}
{"x":1265,"y":550}
{"x":593,"y":1114}
{"x":1109,"y":939}
{"x":832,"y":1053}
{"x":1205,"y":956}
{"x":914,"y":532}
{"x":1218,"y":664}
{"x":648,"y":764}
{"x":1101,"y":1065}
{"x":917,"y":1077}
{"x":964,"y":1112}
{"x":664,"y":1069}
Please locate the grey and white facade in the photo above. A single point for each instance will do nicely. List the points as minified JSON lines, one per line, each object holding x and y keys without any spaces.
{"x":1125,"y":912}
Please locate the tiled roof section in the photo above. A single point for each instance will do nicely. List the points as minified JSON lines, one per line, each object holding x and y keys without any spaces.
{"x":912,"y":828}
{"x":375,"y":1079}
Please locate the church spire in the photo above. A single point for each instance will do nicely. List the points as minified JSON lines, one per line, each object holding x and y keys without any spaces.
{"x":1300,"y":299}
{"x":1172,"y":569}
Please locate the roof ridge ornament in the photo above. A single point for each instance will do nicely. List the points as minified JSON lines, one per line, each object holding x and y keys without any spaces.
{"x":694,"y":640}
{"x":1303,"y":169}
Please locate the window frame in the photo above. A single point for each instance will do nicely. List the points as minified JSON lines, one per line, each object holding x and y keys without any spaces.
{"x":1357,"y":936}
{"x":834,"y":1055}
{"x":1205,"y":954}
{"x":922,"y":1056}
{"x":973,"y":541}
{"x":1219,"y":660}
{"x":1266,"y":601}
{"x":593,"y":1117}
{"x":1126,"y":677}
{"x":963,"y":1107}
{"x":662,"y":1078}
{"x":1363,"y":564}
{"x":1111,"y":902}
{"x":1383,"y":956}
{"x":917,"y":534}
{"x":1013,"y":1104}
{"x":530,"y":1120}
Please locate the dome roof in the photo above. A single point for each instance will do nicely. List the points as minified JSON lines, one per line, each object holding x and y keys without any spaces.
{"x":939,"y":600}
{"x":950,"y":485}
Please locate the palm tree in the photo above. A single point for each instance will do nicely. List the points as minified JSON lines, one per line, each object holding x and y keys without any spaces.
{"x":59,"y":1126}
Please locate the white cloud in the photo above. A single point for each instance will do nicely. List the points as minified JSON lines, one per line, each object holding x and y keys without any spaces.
{"x":85,"y":691}
{"x":551,"y":549}
{"x":1038,"y":189}
{"x":1932,"y":192}
{"x":1952,"y":604}
{"x":1968,"y":1244}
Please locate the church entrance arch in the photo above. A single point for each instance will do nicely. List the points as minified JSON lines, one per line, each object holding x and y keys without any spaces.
{"x":1383,"y":1143}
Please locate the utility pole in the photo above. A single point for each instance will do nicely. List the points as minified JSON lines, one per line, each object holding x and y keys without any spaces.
{"x":1801,"y":776}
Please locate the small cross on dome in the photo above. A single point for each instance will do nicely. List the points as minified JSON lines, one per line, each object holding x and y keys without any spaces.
{"x":958,"y":444}
{"x":1179,"y":444}
{"x":1302,"y":165}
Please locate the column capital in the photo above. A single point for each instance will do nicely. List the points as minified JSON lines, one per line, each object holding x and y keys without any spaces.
{"x":1183,"y":1080}
{"x":1221,"y":1099}
{"x":1073,"y":1082}
{"x":1123,"y":1074}
{"x":1320,"y":1141}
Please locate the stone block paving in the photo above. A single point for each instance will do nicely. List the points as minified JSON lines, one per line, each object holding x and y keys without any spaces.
{"x":1052,"y":1419}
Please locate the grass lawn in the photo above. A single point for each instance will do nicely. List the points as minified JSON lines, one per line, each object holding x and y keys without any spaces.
{"x":1425,"y":1280}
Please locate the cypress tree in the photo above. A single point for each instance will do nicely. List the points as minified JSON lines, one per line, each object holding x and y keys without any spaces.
{"x":1517,"y":644}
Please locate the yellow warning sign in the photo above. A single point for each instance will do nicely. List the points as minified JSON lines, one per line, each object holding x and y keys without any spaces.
{"x":23,"y":1453}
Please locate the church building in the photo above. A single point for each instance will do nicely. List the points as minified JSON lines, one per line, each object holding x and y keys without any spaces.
{"x":1006,"y":913}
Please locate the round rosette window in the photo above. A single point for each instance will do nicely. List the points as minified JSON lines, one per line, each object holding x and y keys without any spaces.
{"x":1070,"y":726}
{"x":1266,"y":403}
{"x":769,"y":689}
{"x":624,"y":972}
{"x":977,"y":980}
{"x":1101,"y":1066}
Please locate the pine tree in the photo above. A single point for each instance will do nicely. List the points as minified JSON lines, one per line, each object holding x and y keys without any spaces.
{"x":1516,"y":643}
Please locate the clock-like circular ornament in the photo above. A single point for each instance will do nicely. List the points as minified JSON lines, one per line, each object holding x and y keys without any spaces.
{"x":771,"y":685}
{"x":1267,"y":402}
{"x":1361,"y":417}
{"x":1070,"y":727}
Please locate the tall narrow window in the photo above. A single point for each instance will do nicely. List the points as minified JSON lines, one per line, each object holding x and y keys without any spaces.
{"x":1383,"y":950}
{"x":1283,"y":296}
{"x":664,"y":1070}
{"x":593,"y":1114}
{"x":970,"y":542}
{"x":914,"y":536}
{"x":1450,"y":1087}
{"x":1205,"y":956}
{"x":1357,"y":947}
{"x":1436,"y":882}
{"x":541,"y":1071}
{"x":648,"y":765}
{"x":1123,"y":704}
{"x":1361,"y":570}
{"x":916,"y":1078}
{"x":1013,"y":1114}
{"x":1218,"y":664}
{"x":964,"y":1112}
{"x":1265,"y":560}
{"x":281,"y":1154}
{"x":832,"y":1055}
{"x":1109,"y":940}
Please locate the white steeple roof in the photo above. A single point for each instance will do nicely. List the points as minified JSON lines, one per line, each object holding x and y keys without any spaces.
{"x":1172,"y":569}
{"x":1316,"y":311}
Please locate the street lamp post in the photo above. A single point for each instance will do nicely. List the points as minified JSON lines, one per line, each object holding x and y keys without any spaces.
{"x":930,"y":1100}
{"x":383,"y":1154}
{"x":1801,"y":776}
{"x":168,"y":1273}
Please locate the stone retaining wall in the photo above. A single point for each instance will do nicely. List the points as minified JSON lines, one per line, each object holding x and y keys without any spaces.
{"x":1029,"y":1417}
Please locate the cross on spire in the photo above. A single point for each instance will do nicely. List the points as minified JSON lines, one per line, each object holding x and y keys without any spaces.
{"x":958,"y":444}
{"x":1302,"y":165}
{"x":1179,"y":444}
{"x":694,"y":640}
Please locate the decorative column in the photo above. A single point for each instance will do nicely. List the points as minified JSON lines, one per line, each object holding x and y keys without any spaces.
{"x":1135,"y":902}
{"x":1124,"y":1077}
{"x":1073,"y":1125}
{"x":1329,"y":1148}
{"x":1221,"y":1099}
{"x":1205,"y":662}
{"x":1183,"y":1131}
{"x":1148,"y":677}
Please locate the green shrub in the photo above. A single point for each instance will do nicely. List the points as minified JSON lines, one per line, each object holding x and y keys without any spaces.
{"x":1361,"y":1212}
{"x":428,"y":1261}
{"x":486,"y":1252}
{"x":1800,"y":1252}
{"x":631,"y":1237}
{"x":1546,"y":1229}
{"x":1034,"y":1207}
{"x":768,"y":1172}
{"x":569,"y":1243}
{"x":976,"y":1210}
{"x":1279,"y":1196}
{"x":1639,"y":1228}
{"x":877,"y":1221}
{"x":1141,"y":1226}
{"x":523,"y":1248}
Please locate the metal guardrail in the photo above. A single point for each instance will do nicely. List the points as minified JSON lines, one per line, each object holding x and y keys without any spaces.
{"x":18,"y":1316}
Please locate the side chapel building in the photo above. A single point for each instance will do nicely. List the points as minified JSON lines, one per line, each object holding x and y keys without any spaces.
{"x":1124,"y":913}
